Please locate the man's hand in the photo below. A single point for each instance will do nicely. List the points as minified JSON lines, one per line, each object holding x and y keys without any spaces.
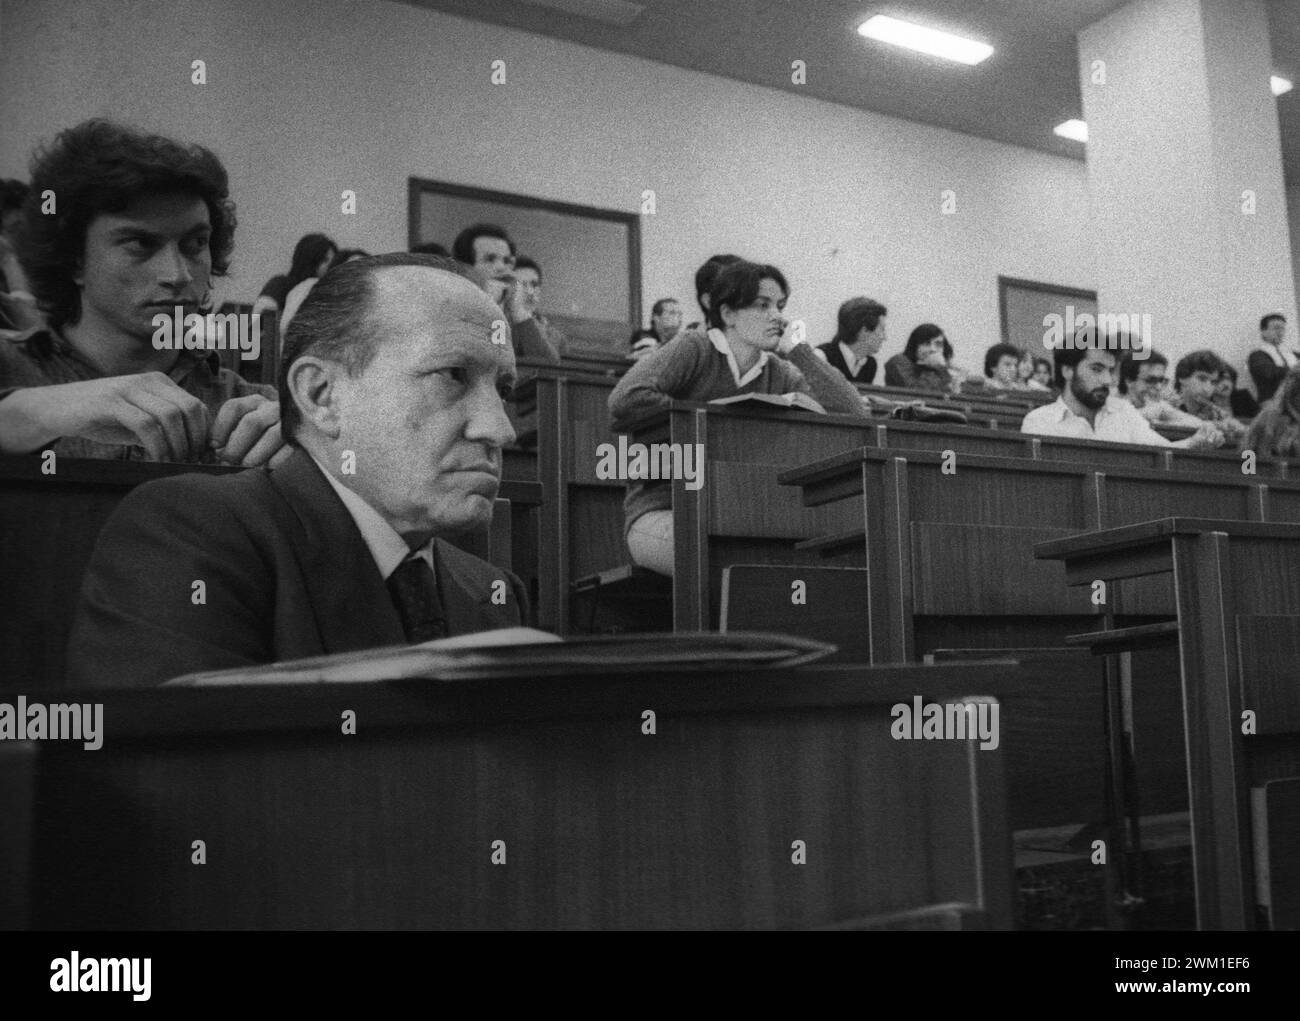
{"x":147,"y":409}
{"x":935,"y":360}
{"x":514,"y":302}
{"x":1208,"y":437}
{"x":247,"y":432}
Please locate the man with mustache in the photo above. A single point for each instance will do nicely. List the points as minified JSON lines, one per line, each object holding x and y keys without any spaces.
{"x":1086,"y":373}
{"x":118,"y":228}
{"x":391,"y":381}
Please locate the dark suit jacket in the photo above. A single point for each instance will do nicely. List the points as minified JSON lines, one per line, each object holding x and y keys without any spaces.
{"x":286,"y":572}
{"x":1266,"y":373}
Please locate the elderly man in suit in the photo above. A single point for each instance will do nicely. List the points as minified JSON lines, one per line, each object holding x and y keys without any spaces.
{"x":391,"y":389}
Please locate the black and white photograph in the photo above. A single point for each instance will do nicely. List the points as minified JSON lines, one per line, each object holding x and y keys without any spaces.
{"x":649,"y":465}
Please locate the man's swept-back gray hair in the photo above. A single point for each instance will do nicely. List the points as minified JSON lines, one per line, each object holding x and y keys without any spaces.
{"x":333,"y":322}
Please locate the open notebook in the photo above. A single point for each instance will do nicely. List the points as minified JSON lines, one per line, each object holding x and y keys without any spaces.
{"x":790,"y":400}
{"x":524,"y":652}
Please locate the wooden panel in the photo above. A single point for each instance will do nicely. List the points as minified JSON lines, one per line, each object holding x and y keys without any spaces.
{"x":573,"y":420}
{"x":1090,"y":454}
{"x":1278,"y":831}
{"x":690,"y":829}
{"x":783,"y":438}
{"x":584,"y":439}
{"x":1269,"y":647}
{"x":1265,"y":575}
{"x":595,"y":522}
{"x":1011,"y":496}
{"x":1144,"y":597}
{"x":1212,"y":713}
{"x":745,"y":500}
{"x":1283,"y":504}
{"x":1052,"y":728}
{"x":921,"y":436}
{"x":988,"y":570}
{"x":518,"y":464}
{"x":18,"y":810}
{"x":830,"y":606}
{"x":694,"y":577}
{"x":46,"y":538}
{"x":1159,"y":746}
{"x":1132,"y":499}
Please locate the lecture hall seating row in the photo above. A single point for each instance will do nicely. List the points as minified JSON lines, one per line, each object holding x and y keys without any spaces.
{"x":562,"y":417}
{"x":48,"y":527}
{"x":767,"y":798}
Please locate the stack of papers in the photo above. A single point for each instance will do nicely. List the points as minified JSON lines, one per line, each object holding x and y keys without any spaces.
{"x":525,"y":652}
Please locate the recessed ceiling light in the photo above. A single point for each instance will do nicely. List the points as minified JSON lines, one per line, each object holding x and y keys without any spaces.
{"x":1076,"y":131}
{"x":925,"y":40}
{"x":1279,"y":85}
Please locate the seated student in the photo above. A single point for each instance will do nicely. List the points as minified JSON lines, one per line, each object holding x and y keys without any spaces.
{"x":666,"y":319}
{"x":925,"y":363}
{"x":643,"y":342}
{"x":1002,"y":367}
{"x":1270,"y":362}
{"x":1025,"y":373}
{"x":859,"y":335}
{"x":1085,"y":374}
{"x":312,"y":257}
{"x":17,"y":305}
{"x":704,"y":277}
{"x":1041,"y":379}
{"x":299,"y":293}
{"x":1275,"y":432}
{"x":744,"y":351}
{"x":144,"y":223}
{"x":1196,"y":377}
{"x":490,"y":255}
{"x":529,"y":275}
{"x":392,"y":385}
{"x":1241,"y":404}
{"x":1145,"y":383}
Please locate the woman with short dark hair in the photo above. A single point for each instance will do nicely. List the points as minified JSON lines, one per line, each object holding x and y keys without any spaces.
{"x":926,"y":362}
{"x":312,"y":257}
{"x":747,"y":350}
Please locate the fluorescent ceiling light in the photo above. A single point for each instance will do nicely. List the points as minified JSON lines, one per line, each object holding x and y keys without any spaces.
{"x":925,"y":40}
{"x":1279,"y":85}
{"x":1076,"y":131}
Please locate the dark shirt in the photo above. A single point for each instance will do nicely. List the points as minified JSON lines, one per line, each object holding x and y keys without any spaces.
{"x":1244,"y":406}
{"x":866,"y":374}
{"x":902,"y":371}
{"x":277,"y":289}
{"x":1266,"y":373}
{"x":43,"y":357}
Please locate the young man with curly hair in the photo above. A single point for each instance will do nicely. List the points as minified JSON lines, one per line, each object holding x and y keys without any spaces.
{"x":120,"y":226}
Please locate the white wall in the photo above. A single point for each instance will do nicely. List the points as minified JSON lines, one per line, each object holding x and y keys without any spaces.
{"x":1293,"y":213}
{"x":307,"y":99}
{"x":1180,"y":129}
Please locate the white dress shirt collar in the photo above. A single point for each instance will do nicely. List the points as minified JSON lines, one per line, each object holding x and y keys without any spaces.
{"x":719,"y":340}
{"x":851,"y":359}
{"x":1282,"y":357}
{"x":387,"y":547}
